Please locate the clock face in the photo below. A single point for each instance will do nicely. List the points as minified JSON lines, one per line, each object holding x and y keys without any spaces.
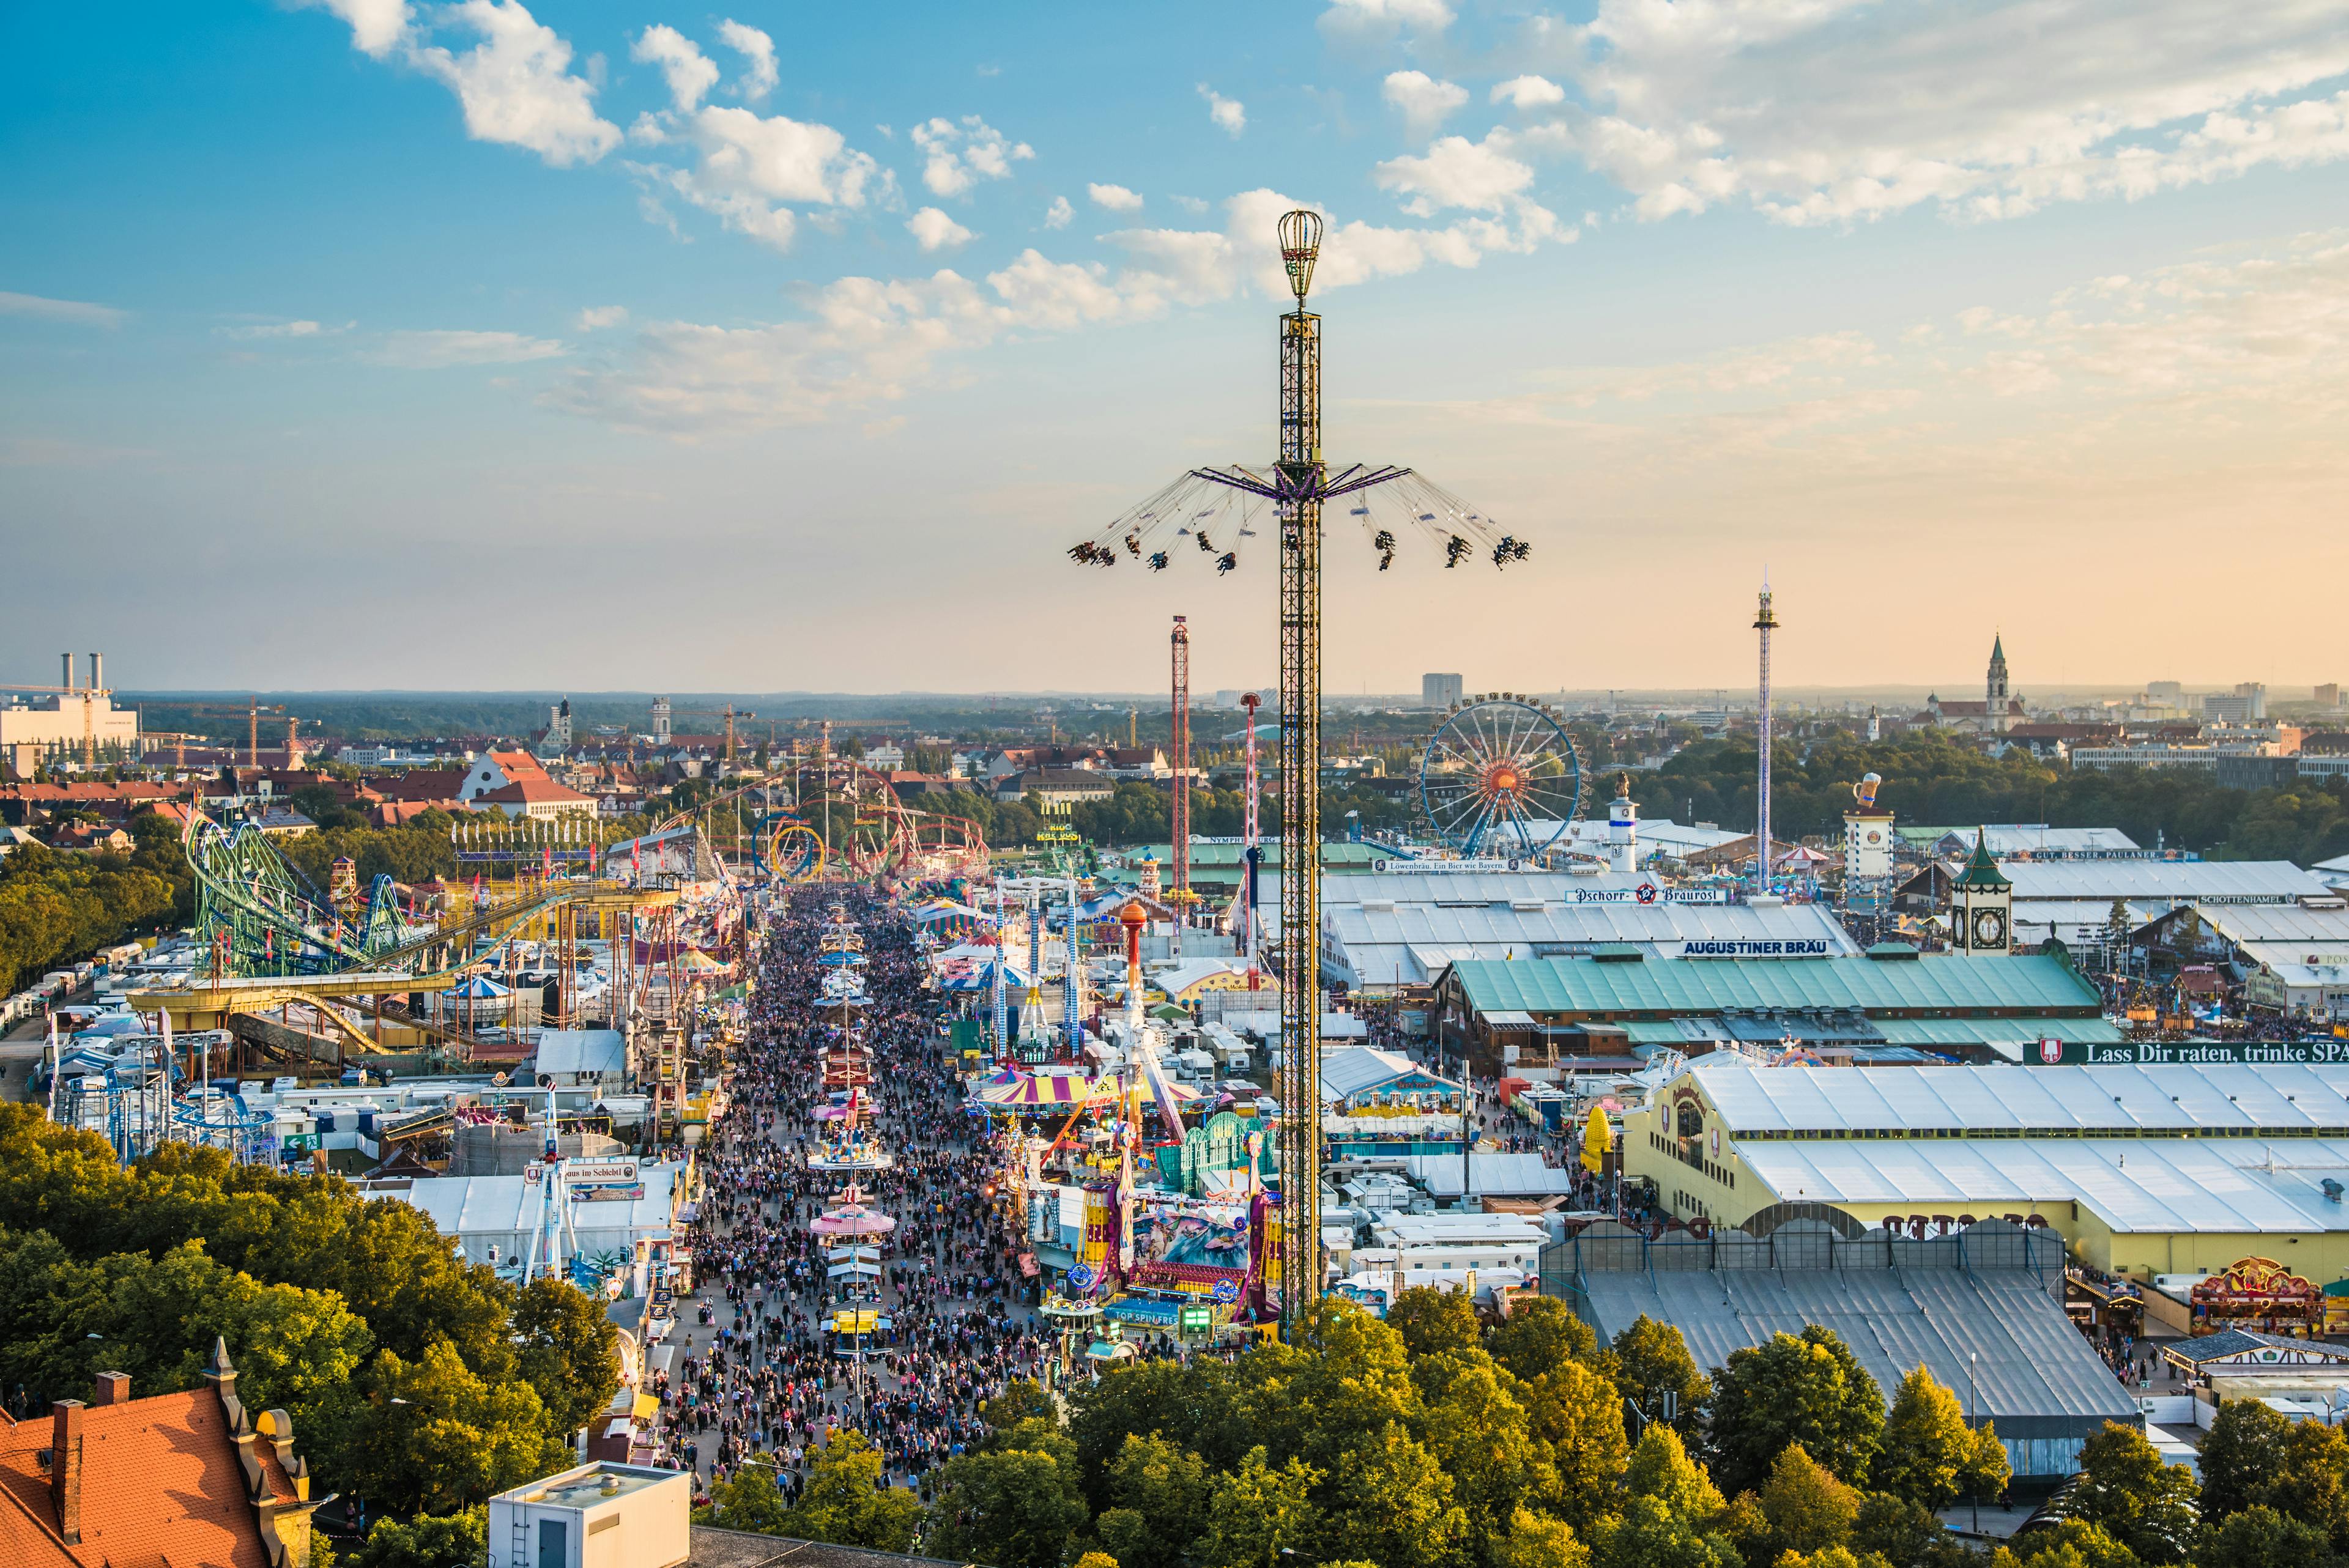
{"x":1990,"y":929}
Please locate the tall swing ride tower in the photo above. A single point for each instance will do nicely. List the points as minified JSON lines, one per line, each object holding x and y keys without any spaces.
{"x":1293,"y":491}
{"x":1178,"y":749}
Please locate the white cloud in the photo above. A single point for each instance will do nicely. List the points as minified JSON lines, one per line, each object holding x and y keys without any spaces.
{"x":67,"y":310}
{"x":1821,"y":111}
{"x":936,"y":231}
{"x":690,"y":73}
{"x":441,"y":350}
{"x":1421,"y":101}
{"x":377,"y":26}
{"x":1058,"y":214}
{"x":1190,"y":204}
{"x":758,"y":50}
{"x":866,"y":341}
{"x":1228,"y":114}
{"x":596,"y":318}
{"x":1529,"y":92}
{"x":516,"y":85}
{"x":1369,"y":20}
{"x":750,"y":164}
{"x":1116,"y":198}
{"x":274,"y":329}
{"x":958,"y":157}
{"x":1480,"y":176}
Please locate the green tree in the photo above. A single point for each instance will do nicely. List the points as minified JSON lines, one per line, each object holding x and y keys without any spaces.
{"x":1929,"y":1455}
{"x":438,"y":1437}
{"x":1019,"y":1399}
{"x":1160,"y":1495}
{"x":1649,"y":1358}
{"x":846,"y":1503}
{"x":2128,"y":1492}
{"x":2260,"y":1537}
{"x":567,"y":1350}
{"x":2070,"y":1543}
{"x":1260,"y":1512}
{"x":1577,"y":1418}
{"x":1903,"y":1533}
{"x":1540,"y":1333}
{"x":1431,"y":1320}
{"x":1387,"y":1501}
{"x":427,"y":1540}
{"x":1673,"y":1517}
{"x":1335,"y":1392}
{"x":1831,"y":1557}
{"x":1192,"y":1407}
{"x":1538,"y":1541}
{"x":1009,"y":1509}
{"x":2242,"y":1453}
{"x":1808,"y":1389}
{"x":1482,"y":1437}
{"x":749,"y":1500}
{"x":1808,"y":1508}
{"x":2308,"y":1482}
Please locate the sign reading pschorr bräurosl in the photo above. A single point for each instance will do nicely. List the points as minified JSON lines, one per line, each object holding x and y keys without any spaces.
{"x":2185,"y":1053}
{"x":1647,"y":892}
{"x":1791,"y":948}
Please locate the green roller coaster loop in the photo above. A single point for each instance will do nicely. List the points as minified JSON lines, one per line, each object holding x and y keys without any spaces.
{"x":246,"y":893}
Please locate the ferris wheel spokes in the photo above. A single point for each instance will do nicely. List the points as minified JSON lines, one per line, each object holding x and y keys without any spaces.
{"x":1501,"y":767}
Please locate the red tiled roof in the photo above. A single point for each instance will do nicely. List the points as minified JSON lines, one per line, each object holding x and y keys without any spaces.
{"x":518,"y":764}
{"x":421,"y":784}
{"x":160,"y":1485}
{"x":541,"y":790}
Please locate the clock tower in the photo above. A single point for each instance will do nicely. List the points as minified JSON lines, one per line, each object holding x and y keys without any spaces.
{"x":1981,"y":906}
{"x":1995,"y":719}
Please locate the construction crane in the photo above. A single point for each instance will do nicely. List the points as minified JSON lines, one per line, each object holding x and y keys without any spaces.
{"x":1293,"y":489}
{"x":251,"y":713}
{"x":727,"y":713}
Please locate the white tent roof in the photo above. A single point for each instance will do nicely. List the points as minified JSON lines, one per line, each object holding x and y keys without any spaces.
{"x":1495,"y":1175}
{"x":2221,"y":1185}
{"x":2182,"y":881}
{"x":582,"y":1051}
{"x":2206,"y":1098}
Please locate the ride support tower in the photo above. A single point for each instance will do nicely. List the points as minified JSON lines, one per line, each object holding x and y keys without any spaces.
{"x":1301,"y":479}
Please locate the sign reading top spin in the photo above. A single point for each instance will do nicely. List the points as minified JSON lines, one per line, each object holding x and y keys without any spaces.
{"x":2185,"y":1053}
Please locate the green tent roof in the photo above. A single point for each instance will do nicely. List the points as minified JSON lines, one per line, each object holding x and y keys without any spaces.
{"x":1980,"y":869}
{"x":1945,"y":983}
{"x":1996,"y":1031}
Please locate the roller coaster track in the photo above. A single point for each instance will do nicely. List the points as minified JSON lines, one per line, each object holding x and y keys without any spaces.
{"x":246,"y":891}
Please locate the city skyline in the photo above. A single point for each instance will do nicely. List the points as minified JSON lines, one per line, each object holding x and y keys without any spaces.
{"x":360,"y":339}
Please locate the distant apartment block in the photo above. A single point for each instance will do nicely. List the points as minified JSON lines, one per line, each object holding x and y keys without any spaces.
{"x":1440,"y":691}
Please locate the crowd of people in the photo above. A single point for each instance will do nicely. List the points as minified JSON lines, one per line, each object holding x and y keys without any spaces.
{"x":765,"y":1379}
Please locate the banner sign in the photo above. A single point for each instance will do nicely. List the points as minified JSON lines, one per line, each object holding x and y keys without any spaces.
{"x":2187,"y":1053}
{"x":1797,"y":947}
{"x":1647,"y":893}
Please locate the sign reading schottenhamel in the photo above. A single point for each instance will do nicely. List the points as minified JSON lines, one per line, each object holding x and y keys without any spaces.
{"x":1797,"y":947}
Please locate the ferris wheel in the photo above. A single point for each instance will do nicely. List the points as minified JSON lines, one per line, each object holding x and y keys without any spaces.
{"x":1501,"y":777}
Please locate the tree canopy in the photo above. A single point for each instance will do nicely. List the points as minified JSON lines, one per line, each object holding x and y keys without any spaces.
{"x":415,"y":1380}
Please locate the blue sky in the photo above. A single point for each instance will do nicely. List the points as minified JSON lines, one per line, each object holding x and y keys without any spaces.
{"x":367,"y":343}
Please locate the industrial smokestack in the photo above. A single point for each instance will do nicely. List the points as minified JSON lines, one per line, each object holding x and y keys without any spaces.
{"x":98,"y":672}
{"x":67,"y":660}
